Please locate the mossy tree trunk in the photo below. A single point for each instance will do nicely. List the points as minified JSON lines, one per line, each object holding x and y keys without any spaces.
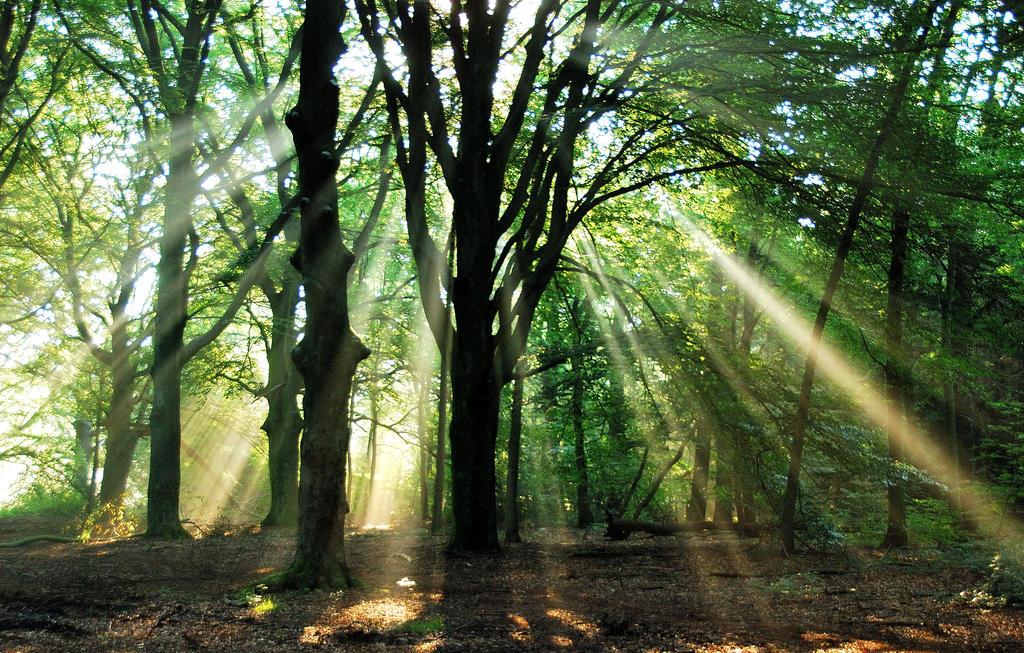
{"x":329,"y":351}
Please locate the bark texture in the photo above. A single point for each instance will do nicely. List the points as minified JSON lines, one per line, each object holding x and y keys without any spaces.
{"x":329,"y":351}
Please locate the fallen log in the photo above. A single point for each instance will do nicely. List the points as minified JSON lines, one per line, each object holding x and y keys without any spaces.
{"x":620,"y":529}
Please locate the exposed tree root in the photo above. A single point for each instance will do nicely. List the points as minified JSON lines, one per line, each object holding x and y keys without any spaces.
{"x":38,"y":538}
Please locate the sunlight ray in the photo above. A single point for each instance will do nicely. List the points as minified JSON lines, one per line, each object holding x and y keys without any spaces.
{"x":666,"y":410}
{"x":219,"y":480}
{"x":921,"y":448}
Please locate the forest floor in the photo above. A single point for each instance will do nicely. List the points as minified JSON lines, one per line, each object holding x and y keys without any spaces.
{"x":562,"y":589}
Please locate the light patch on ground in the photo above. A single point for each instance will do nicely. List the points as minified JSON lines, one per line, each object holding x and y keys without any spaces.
{"x":827,"y":642}
{"x":573,"y":620}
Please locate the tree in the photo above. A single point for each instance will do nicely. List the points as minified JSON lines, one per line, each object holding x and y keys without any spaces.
{"x":22,"y":102}
{"x":280,"y":282}
{"x":885,"y":130}
{"x":178,"y":85}
{"x":511,"y":167}
{"x":329,"y":351}
{"x":896,"y":531}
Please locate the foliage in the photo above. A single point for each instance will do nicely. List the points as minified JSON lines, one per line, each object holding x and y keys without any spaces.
{"x":931,"y":523}
{"x":1004,"y":585}
{"x":41,"y":499}
{"x":109,"y":520}
{"x":675,"y":312}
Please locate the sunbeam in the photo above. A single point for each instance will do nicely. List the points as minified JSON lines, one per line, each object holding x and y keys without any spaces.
{"x":221,"y":479}
{"x":922,"y":449}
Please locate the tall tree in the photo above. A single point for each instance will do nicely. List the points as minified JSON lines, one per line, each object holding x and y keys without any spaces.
{"x":329,"y":351}
{"x":896,"y":530}
{"x":915,"y":33}
{"x":510,"y":164}
{"x":280,"y":283}
{"x":178,"y":95}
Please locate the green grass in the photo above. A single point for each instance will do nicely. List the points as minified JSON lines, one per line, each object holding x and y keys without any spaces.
{"x":39,"y":501}
{"x":423,"y":626}
{"x":265,"y":605}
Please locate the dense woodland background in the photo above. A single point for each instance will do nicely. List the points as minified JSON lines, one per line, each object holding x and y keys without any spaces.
{"x":744,"y":263}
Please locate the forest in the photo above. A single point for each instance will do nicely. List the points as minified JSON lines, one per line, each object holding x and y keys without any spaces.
{"x":518,"y":324}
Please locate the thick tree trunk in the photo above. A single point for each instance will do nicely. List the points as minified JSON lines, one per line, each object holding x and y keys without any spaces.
{"x":895,"y":378}
{"x":121,"y":438}
{"x":329,"y":352}
{"x":473,"y":436}
{"x":515,"y":435}
{"x":441,"y":459}
{"x":162,"y":518}
{"x":284,"y":421}
{"x":320,"y":555}
{"x":475,"y":379}
{"x":121,"y":444}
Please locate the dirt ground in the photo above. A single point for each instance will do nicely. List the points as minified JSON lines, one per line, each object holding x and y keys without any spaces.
{"x":560,"y":590}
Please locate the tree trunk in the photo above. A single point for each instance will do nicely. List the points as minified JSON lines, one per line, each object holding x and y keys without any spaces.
{"x":743,"y":468}
{"x":162,"y":518}
{"x":422,"y":396}
{"x":957,"y":306}
{"x":476,"y":385}
{"x":659,"y":479}
{"x":515,"y":433}
{"x":749,"y":302}
{"x":284,"y":421}
{"x":473,"y":431}
{"x":368,"y":484}
{"x":83,"y":458}
{"x":441,"y":459}
{"x":885,"y":131}
{"x":724,"y":478}
{"x":697,"y":508}
{"x":121,"y":438}
{"x":895,"y":379}
{"x":584,"y":517}
{"x":329,"y":351}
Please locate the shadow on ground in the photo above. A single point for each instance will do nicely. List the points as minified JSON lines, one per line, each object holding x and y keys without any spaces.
{"x":560,"y":590}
